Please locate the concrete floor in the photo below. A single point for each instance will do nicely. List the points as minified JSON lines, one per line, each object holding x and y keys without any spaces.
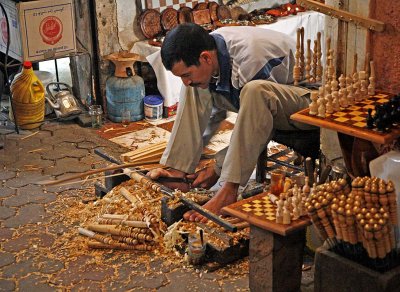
{"x":38,"y":250}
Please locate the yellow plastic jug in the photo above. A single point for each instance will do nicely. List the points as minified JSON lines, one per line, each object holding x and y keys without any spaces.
{"x":28,"y":98}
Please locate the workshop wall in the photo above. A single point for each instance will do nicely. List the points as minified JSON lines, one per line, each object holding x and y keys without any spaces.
{"x":116,"y":31}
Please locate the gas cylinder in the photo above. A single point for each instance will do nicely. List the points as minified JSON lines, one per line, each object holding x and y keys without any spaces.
{"x":125,"y":90}
{"x":28,"y":98}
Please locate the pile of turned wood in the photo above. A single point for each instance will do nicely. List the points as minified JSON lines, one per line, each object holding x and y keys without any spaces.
{"x":129,"y":219}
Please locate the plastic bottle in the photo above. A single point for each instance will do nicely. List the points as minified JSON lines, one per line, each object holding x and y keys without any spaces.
{"x":387,"y":167}
{"x":28,"y":98}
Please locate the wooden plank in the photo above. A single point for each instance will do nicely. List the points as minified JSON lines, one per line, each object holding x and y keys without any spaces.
{"x":341,"y":51}
{"x":145,"y":156}
{"x":235,"y":209}
{"x":146,"y":149}
{"x":154,"y":148}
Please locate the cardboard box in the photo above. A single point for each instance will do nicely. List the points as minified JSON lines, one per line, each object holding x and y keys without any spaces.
{"x":47,"y":29}
{"x":15,"y":50}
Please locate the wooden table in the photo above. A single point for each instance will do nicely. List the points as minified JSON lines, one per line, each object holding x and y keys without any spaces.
{"x":356,"y":140}
{"x":276,"y":250}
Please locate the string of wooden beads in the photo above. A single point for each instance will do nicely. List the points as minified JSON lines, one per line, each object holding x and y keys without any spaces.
{"x":132,"y":241}
{"x":136,"y":235}
{"x":152,"y":218}
{"x":113,"y":243}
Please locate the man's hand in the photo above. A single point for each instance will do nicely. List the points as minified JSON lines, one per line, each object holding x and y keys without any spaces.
{"x":205,"y":178}
{"x":155,"y":174}
{"x":224,"y":197}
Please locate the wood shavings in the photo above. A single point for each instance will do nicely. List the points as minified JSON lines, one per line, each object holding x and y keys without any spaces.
{"x":30,"y":135}
{"x":36,"y":150}
{"x":109,"y":129}
{"x":68,"y":247}
{"x":194,"y":196}
{"x":173,"y":237}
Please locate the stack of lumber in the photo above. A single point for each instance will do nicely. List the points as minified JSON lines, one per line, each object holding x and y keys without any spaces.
{"x":147,"y":154}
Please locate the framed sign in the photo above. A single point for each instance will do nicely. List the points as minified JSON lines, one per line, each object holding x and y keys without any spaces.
{"x":47,"y":29}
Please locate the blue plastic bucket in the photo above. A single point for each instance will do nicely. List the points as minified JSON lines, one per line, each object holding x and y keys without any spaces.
{"x":153,"y":107}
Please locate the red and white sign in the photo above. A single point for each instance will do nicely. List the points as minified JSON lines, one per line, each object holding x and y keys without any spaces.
{"x":51,"y":30}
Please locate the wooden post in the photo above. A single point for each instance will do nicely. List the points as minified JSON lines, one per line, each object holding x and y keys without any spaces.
{"x":275,"y":260}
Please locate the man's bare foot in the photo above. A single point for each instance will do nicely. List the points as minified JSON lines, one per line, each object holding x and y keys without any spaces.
{"x":224,"y":197}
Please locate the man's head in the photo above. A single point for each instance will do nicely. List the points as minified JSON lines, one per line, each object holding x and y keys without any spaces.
{"x":189,"y":52}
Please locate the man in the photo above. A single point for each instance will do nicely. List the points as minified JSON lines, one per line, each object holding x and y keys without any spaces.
{"x":237,"y":69}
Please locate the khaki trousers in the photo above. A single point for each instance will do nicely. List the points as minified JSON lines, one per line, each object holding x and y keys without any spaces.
{"x":264,"y":106}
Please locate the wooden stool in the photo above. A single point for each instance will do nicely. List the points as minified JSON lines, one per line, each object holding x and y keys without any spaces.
{"x":306,"y":143}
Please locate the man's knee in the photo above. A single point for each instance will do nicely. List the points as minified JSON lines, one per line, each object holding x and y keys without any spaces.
{"x":257,"y":92}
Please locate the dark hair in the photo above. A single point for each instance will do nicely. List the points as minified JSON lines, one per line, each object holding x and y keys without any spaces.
{"x":185,"y":43}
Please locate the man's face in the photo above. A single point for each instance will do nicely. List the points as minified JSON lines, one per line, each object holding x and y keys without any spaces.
{"x":195,"y":76}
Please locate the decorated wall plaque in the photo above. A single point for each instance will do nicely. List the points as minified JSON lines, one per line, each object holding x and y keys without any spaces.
{"x":169,"y":19}
{"x":201,"y":16}
{"x":150,"y":23}
{"x":213,"y":7}
{"x":185,"y":15}
{"x":223,"y":12}
{"x":201,"y":6}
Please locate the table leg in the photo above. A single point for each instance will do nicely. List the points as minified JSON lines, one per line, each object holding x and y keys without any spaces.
{"x":275,"y":260}
{"x":261,"y":166}
{"x":357,"y":153}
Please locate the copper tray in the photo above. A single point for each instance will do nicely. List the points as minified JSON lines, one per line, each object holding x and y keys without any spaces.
{"x":238,"y":13}
{"x":213,"y":7}
{"x":223,"y":12}
{"x":185,"y":15}
{"x":201,"y":6}
{"x":201,"y":16}
{"x":150,"y":23}
{"x":169,"y":19}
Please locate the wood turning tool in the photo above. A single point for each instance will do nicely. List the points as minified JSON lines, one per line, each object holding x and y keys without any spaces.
{"x":142,"y":178}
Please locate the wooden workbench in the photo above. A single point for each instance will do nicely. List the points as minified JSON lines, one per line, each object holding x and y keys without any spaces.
{"x":354,"y":137}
